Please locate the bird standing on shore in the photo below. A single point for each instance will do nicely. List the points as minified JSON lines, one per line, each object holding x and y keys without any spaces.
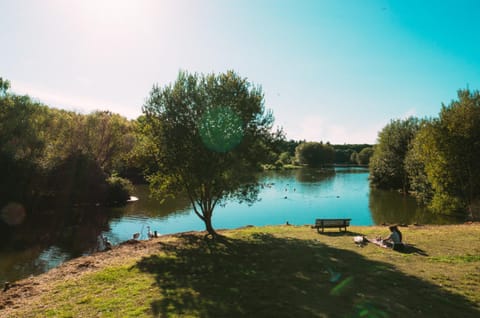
{"x":107,"y":243}
{"x":136,"y":235}
{"x":150,"y":234}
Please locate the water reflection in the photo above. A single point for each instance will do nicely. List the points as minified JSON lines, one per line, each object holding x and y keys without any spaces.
{"x":151,"y":207}
{"x":351,"y":170}
{"x":47,"y":238}
{"x":393,"y":207}
{"x":314,"y":175}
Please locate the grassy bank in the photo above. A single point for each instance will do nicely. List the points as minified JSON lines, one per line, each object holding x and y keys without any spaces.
{"x":282,"y":271}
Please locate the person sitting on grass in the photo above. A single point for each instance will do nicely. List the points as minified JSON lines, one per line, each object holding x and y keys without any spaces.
{"x":395,"y":239}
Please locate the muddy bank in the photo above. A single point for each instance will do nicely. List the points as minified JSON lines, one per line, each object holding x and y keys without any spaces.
{"x":18,"y":294}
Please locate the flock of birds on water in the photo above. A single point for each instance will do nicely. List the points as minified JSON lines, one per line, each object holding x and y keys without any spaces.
{"x":287,"y":188}
{"x":153,"y":234}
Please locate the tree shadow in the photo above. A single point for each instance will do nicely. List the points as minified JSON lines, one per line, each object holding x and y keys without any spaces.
{"x":266,"y":276}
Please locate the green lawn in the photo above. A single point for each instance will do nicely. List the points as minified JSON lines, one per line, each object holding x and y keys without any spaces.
{"x":283,"y":271}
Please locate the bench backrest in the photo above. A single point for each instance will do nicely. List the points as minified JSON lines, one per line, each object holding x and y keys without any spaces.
{"x":332,"y":222}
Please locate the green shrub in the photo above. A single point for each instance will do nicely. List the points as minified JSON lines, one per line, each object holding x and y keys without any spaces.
{"x":76,"y":180}
{"x":118,"y":190}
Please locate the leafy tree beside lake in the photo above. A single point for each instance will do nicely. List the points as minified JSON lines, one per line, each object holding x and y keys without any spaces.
{"x":348,"y":153}
{"x":285,"y":149}
{"x":315,"y":154}
{"x":50,"y":156}
{"x":364,"y":156}
{"x":437,"y":160}
{"x":212,"y":133}
{"x":444,"y":159}
{"x":21,"y":145}
{"x":387,"y":164}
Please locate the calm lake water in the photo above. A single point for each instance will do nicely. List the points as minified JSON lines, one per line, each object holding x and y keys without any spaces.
{"x":296,"y":196}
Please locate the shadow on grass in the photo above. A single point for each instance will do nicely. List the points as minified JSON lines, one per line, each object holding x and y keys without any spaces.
{"x":412,"y":249}
{"x":408,"y":248}
{"x":266,"y":276}
{"x":340,"y":233}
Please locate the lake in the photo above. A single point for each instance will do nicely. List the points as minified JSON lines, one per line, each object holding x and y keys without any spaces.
{"x":297,"y":196}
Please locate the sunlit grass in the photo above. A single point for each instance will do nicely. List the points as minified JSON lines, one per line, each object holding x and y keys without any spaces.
{"x":456,"y":259}
{"x":284,"y":271}
{"x":111,"y":292}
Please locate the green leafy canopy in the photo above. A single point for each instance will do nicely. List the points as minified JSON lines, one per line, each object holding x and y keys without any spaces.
{"x":211,"y":131}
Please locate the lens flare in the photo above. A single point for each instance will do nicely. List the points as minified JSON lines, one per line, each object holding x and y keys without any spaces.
{"x":13,"y":213}
{"x":367,"y":309}
{"x":342,"y":286}
{"x":221,"y":129}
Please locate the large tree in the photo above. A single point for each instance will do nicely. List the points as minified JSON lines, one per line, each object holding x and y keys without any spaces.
{"x":108,"y":137}
{"x":38,"y":144}
{"x":445,"y":156}
{"x":211,"y":132}
{"x":22,"y":144}
{"x":315,"y":154}
{"x":387,"y":164}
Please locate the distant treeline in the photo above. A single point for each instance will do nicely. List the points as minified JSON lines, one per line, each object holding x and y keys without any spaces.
{"x":315,"y":154}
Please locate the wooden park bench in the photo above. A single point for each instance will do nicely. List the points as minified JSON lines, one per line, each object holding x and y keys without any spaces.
{"x":329,"y":223}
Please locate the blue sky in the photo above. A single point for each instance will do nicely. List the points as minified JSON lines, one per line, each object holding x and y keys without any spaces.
{"x":335,"y":71}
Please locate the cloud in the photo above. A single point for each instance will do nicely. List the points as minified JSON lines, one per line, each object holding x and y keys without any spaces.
{"x":317,"y":128}
{"x":81,"y":104}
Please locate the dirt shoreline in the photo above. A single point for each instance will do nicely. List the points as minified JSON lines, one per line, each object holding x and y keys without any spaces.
{"x":29,"y":290}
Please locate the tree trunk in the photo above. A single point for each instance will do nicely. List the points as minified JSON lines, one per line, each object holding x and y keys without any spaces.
{"x":209,"y":227}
